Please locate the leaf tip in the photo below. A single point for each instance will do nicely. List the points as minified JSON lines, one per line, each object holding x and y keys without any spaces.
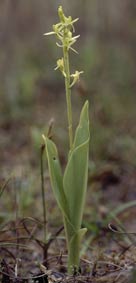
{"x":87,"y":104}
{"x":44,"y":138}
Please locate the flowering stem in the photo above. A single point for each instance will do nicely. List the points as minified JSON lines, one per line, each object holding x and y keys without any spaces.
{"x":68,"y":94}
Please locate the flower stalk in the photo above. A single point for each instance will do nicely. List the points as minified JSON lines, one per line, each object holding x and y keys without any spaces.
{"x":64,"y":33}
{"x":68,"y":95}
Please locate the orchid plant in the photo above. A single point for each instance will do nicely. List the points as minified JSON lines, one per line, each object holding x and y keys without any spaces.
{"x":70,"y":188}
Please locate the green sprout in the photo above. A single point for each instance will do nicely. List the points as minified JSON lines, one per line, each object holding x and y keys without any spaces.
{"x":70,"y":189}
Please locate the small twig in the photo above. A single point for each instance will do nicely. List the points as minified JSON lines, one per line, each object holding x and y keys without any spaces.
{"x":8,"y":252}
{"x":3,"y":187}
{"x":55,"y":235}
{"x":43,"y":203}
{"x":50,"y":126}
{"x":114,"y":229}
{"x":31,"y":233}
{"x":16,"y":229}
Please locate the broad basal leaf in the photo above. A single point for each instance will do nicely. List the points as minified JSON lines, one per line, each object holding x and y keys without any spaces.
{"x":56,"y":176}
{"x":76,"y":172}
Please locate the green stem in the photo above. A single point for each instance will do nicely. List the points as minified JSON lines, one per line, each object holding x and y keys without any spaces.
{"x":74,"y":257}
{"x":73,"y":245}
{"x":68,"y":94}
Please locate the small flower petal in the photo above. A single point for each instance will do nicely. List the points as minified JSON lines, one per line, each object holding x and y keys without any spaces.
{"x":75,"y":77}
{"x":49,"y":33}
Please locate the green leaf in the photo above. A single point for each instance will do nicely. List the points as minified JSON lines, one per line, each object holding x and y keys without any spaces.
{"x":76,"y":172}
{"x":83,"y":132}
{"x":56,"y":176}
{"x":70,"y":190}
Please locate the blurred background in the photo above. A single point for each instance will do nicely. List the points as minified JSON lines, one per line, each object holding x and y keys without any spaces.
{"x":32,"y":93}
